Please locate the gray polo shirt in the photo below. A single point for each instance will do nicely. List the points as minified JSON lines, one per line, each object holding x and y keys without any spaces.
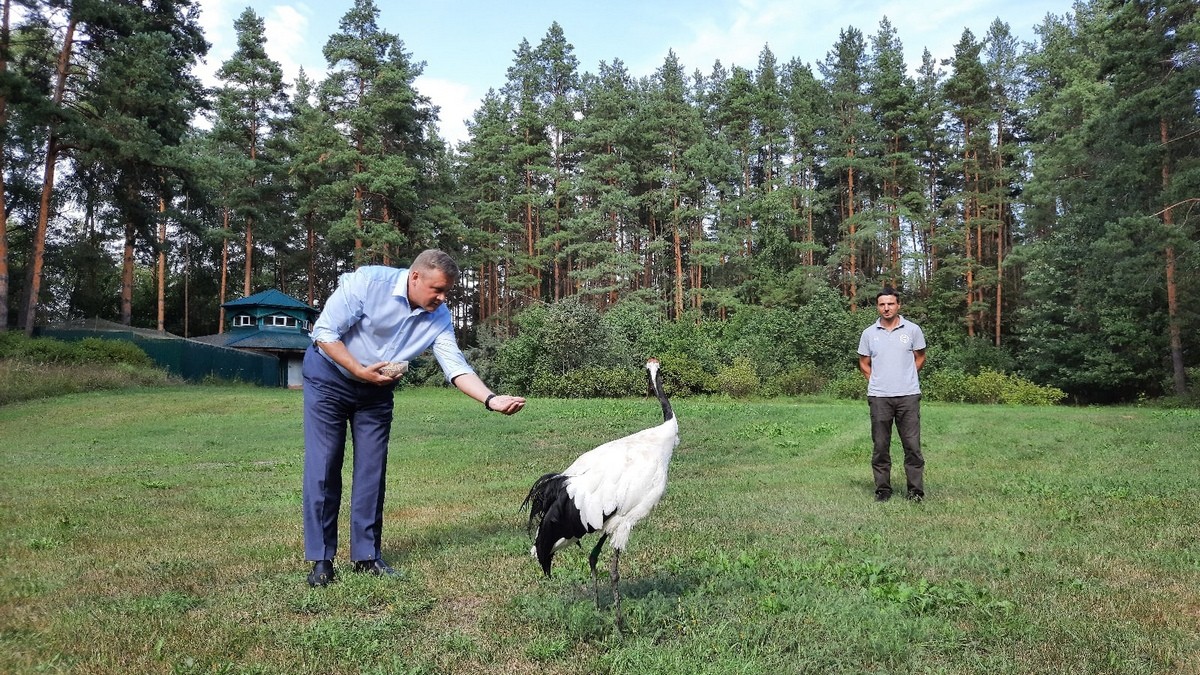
{"x":893,"y":366}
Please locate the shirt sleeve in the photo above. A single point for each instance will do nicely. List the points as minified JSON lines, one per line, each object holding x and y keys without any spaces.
{"x":342,"y":310}
{"x":918,"y":339}
{"x":864,"y":345}
{"x":449,"y":356}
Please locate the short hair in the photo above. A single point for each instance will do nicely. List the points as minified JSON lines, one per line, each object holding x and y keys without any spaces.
{"x":887,"y":290}
{"x":433,"y":259}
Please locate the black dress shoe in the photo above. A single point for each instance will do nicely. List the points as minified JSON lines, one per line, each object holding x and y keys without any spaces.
{"x":377,"y":567}
{"x":322,"y":573}
{"x":882,"y":496}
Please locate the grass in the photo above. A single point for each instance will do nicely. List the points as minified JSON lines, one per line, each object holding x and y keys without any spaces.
{"x":24,"y":380}
{"x":158,"y":531}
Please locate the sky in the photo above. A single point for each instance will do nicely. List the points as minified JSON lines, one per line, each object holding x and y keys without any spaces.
{"x":468,"y":45}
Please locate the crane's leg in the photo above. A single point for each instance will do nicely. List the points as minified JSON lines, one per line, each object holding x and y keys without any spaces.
{"x":592,"y":560}
{"x":614,"y":575}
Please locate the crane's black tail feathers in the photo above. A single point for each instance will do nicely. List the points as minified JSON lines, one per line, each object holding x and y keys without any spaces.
{"x":554,"y":514}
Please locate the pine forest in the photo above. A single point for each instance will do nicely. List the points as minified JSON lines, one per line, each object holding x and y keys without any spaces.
{"x":1036,"y":204}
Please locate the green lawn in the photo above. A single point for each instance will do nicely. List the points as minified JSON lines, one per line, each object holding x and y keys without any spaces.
{"x":159,"y":531}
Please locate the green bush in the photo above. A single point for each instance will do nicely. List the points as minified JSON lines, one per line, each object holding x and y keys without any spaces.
{"x":800,"y":380}
{"x":44,"y":350}
{"x":22,"y":380}
{"x":946,"y":384}
{"x":97,"y":350}
{"x":737,"y":379}
{"x":989,"y":386}
{"x":851,"y":385}
{"x":590,"y":382}
{"x":685,"y":376}
{"x":88,"y":350}
{"x":1019,"y":391}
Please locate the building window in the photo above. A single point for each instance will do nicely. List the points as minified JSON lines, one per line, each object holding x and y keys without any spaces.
{"x":280,"y":320}
{"x":243,"y":320}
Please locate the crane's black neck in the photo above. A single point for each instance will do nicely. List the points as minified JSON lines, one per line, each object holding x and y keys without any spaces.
{"x":656,"y":381}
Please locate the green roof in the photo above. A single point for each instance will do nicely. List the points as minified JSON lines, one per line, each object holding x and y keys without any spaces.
{"x":270,"y":298}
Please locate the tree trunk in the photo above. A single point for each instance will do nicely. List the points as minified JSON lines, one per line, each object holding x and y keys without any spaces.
{"x":224,"y":272}
{"x":39,"y":237}
{"x":249,"y":257}
{"x":1179,"y":375}
{"x":4,"y":40}
{"x":312,"y":265}
{"x":678,"y":264}
{"x":853,"y":232}
{"x":970,"y":263}
{"x":162,"y":264}
{"x":127,"y":275}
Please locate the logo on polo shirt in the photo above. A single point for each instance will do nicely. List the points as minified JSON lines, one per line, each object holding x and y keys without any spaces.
{"x":905,"y":339}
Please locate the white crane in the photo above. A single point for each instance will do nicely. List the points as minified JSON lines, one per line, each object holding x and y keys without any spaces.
{"x":609,"y":488}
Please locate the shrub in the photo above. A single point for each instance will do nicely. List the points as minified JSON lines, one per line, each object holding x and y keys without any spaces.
{"x":44,"y":367}
{"x":1019,"y":391}
{"x":988,"y":386}
{"x":738,"y":379}
{"x":590,"y":382}
{"x":685,"y":376}
{"x":44,"y":350}
{"x":97,"y":350}
{"x":88,"y":350}
{"x":851,"y":385}
{"x":946,"y":384}
{"x":972,"y":356}
{"x":804,"y":379}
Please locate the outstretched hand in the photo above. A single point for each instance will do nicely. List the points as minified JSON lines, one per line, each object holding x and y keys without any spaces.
{"x":509,"y":405}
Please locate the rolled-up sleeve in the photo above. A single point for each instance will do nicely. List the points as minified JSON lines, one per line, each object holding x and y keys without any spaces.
{"x":449,"y":356}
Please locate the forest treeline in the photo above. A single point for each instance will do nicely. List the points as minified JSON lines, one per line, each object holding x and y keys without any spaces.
{"x":1039,"y":199}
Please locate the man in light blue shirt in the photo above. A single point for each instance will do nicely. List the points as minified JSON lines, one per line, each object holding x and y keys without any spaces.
{"x":890,"y":353}
{"x":375,"y":316}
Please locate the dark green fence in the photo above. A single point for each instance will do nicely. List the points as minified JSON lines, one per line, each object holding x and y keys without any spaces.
{"x":189,"y":359}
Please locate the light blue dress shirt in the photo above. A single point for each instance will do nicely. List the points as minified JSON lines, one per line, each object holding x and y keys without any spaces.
{"x":370,"y":314}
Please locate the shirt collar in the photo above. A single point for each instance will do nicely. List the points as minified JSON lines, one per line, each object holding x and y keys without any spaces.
{"x":401,"y":288}
{"x":401,"y":291}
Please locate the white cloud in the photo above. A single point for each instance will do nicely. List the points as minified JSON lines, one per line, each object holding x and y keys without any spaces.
{"x":286,"y":32}
{"x":738,"y":37}
{"x":457,"y":102}
{"x":285,"y":28}
{"x":216,"y":20}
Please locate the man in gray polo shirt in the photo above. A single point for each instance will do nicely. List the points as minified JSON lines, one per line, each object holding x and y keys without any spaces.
{"x":890,"y":352}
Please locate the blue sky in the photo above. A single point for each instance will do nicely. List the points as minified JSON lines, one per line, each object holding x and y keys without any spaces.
{"x":467,"y":45}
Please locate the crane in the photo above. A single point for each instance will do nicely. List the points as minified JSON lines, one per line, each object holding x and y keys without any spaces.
{"x":608,"y":489}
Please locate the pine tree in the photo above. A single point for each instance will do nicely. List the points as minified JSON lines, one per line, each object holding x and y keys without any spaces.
{"x":968,"y":95}
{"x":312,"y":140}
{"x":488,"y":180}
{"x":932,"y":156}
{"x":559,"y":101}
{"x":531,"y":154}
{"x":606,"y":231}
{"x":250,"y":101}
{"x":844,"y":70}
{"x":370,"y":97}
{"x":673,"y":127}
{"x":806,"y":109}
